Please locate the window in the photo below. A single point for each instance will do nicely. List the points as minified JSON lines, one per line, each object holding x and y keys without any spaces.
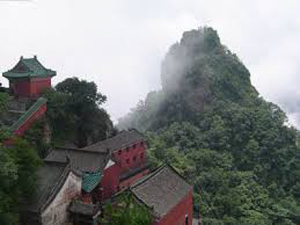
{"x":142,"y":155}
{"x":134,"y":146}
{"x":186,"y":219}
{"x":127,"y":161}
{"x":119,"y":152}
{"x":134,"y":158}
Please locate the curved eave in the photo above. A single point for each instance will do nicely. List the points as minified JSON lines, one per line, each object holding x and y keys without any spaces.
{"x":12,"y":76}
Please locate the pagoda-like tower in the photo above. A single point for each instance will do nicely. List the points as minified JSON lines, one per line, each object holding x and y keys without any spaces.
{"x":29,"y":77}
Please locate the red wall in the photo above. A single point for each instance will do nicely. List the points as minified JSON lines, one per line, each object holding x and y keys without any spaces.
{"x":20,"y":87}
{"x":31,"y":87}
{"x":110,"y":181}
{"x":176,"y":216}
{"x":125,"y":157}
{"x":27,"y":124}
{"x":38,"y":85}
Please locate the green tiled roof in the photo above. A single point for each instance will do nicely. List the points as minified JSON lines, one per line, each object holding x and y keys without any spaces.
{"x":90,"y":181}
{"x":29,"y":68}
{"x":41,"y":101}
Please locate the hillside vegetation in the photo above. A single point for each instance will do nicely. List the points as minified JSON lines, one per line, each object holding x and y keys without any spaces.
{"x":210,"y":122}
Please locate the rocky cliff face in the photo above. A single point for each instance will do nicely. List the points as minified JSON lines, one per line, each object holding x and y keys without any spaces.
{"x":201,"y":69}
{"x":195,"y":72}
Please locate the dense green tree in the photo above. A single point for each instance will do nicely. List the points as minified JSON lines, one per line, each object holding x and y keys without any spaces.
{"x":61,"y":120}
{"x":17,"y":178}
{"x":226,"y":192}
{"x":4,"y":97}
{"x":74,"y":112}
{"x":126,"y":211}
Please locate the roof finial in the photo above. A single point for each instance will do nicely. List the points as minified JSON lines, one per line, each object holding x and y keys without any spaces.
{"x":21,"y":57}
{"x":35,"y":57}
{"x":67,"y":159}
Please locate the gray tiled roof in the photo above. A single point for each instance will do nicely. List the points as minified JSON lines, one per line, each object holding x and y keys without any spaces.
{"x":121,"y":140}
{"x":161,"y":190}
{"x":50,"y":178}
{"x":80,"y":159}
{"x":84,"y":209}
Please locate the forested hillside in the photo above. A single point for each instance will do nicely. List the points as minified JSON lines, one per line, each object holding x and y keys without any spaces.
{"x":210,"y":122}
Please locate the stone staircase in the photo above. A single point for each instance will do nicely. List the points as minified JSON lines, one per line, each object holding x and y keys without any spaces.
{"x":19,"y":111}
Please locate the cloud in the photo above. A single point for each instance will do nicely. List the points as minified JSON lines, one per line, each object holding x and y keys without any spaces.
{"x":120,"y":44}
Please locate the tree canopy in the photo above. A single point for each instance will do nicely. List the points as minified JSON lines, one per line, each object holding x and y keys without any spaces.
{"x":126,"y":210}
{"x":75,"y":113}
{"x":4,"y":97}
{"x":17,"y":178}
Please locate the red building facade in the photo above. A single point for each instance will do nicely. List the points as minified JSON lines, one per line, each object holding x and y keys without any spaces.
{"x":131,"y":156}
{"x":29,"y":87}
{"x":28,"y":78}
{"x":127,"y":161}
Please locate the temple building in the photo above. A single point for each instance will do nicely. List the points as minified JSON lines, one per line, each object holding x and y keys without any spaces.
{"x":168,"y":196}
{"x":75,"y":183}
{"x":28,"y":78}
{"x":108,"y":166}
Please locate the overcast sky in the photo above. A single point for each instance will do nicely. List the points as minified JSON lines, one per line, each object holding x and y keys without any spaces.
{"x":120,"y":44}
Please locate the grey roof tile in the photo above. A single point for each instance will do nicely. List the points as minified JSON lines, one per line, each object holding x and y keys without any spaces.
{"x":161,"y":190}
{"x":50,"y":178}
{"x":80,"y":159}
{"x":121,"y":140}
{"x":84,"y":209}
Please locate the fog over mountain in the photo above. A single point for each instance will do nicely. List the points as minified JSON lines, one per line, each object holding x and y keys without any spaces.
{"x":121,"y":44}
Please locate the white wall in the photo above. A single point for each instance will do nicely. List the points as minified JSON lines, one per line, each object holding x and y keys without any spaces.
{"x":57,"y":212}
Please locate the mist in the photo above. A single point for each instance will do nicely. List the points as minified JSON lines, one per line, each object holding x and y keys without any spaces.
{"x":120,"y":45}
